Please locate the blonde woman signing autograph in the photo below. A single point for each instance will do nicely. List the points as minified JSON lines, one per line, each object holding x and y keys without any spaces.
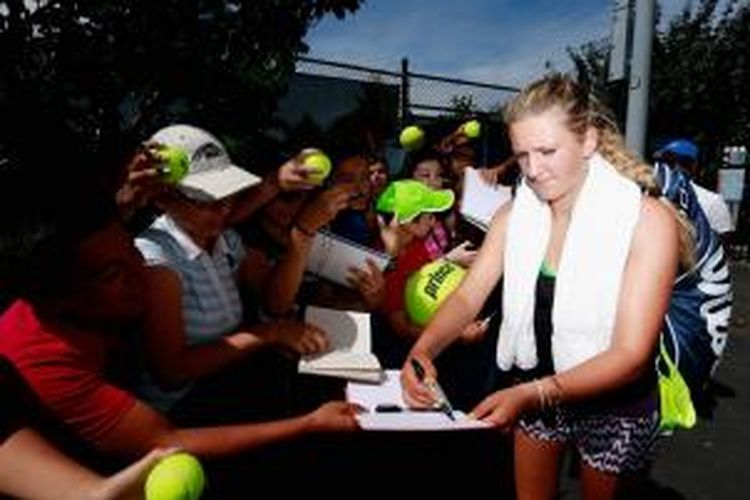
{"x":587,"y":256}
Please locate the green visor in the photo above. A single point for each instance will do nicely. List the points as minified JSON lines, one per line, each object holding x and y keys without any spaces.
{"x":408,"y":198}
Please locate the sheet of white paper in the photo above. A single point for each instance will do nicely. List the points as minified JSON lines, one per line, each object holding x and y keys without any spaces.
{"x":480,"y":200}
{"x":389,"y":392}
{"x":418,"y":421}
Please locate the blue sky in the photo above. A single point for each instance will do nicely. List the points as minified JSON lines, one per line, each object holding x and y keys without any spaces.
{"x":497,"y":41}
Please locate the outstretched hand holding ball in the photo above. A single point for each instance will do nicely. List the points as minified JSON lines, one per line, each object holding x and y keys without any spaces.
{"x":173,"y":163}
{"x":318,"y":165}
{"x":177,"y":477}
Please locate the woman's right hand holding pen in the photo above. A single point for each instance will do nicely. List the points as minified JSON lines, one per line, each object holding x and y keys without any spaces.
{"x":416,"y":392}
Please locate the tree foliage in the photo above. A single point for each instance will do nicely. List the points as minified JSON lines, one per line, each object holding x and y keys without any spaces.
{"x":463,"y":105}
{"x":124,"y":68}
{"x":700,"y":85}
{"x":700,"y":74}
{"x":591,"y":64}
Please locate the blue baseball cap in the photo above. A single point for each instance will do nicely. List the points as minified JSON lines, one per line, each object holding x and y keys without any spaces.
{"x":679,"y":147}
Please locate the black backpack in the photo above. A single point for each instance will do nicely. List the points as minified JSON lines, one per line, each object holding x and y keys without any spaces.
{"x":697,"y":322}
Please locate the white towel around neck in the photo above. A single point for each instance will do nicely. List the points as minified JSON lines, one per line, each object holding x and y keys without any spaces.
{"x":589,"y":272}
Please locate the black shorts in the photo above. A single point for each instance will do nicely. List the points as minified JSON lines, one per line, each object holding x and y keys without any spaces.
{"x":616,"y":444}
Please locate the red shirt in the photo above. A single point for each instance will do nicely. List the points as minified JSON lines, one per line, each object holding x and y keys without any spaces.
{"x":65,"y":369}
{"x":411,"y":259}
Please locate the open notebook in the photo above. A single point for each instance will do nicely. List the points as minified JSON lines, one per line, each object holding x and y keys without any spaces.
{"x":480,"y":200}
{"x":332,"y":256}
{"x":388,"y":395}
{"x":350,"y":355}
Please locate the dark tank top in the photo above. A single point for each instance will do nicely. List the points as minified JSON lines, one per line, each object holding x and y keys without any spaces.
{"x":636,"y":398}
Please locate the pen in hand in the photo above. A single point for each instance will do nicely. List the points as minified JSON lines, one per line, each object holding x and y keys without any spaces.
{"x":486,"y":321}
{"x":434,"y":387}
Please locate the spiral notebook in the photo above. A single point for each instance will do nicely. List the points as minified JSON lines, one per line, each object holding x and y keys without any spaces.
{"x":332,"y":256}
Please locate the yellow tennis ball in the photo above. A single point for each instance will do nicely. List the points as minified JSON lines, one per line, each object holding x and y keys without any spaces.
{"x":427,"y":288}
{"x":472,"y":129}
{"x":176,"y":477}
{"x":320,"y":166}
{"x":411,"y":138}
{"x":174,"y":163}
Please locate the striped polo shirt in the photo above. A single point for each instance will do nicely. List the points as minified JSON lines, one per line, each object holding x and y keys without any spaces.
{"x":211,"y":303}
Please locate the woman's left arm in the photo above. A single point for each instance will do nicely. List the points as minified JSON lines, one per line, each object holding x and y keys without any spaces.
{"x":644,"y":297}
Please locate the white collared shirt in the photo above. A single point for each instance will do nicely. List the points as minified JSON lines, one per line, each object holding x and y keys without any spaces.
{"x":211,"y":300}
{"x":715,"y":208}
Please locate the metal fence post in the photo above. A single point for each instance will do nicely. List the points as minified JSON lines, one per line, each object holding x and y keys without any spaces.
{"x":405,"y":114}
{"x":640,"y":76}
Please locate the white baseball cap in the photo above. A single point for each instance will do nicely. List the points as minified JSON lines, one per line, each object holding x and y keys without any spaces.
{"x":211,"y":175}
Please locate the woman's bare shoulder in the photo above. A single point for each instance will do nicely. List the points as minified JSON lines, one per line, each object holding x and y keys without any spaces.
{"x":657,"y":212}
{"x":657,"y":222}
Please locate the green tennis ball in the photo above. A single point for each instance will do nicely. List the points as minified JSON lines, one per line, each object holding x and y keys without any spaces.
{"x":427,"y":288}
{"x":411,"y":138}
{"x":472,"y":129}
{"x":319,"y":165}
{"x":176,"y":477}
{"x":174,"y":164}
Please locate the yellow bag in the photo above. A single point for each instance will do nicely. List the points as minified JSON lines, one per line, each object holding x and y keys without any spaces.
{"x":676,"y":406}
